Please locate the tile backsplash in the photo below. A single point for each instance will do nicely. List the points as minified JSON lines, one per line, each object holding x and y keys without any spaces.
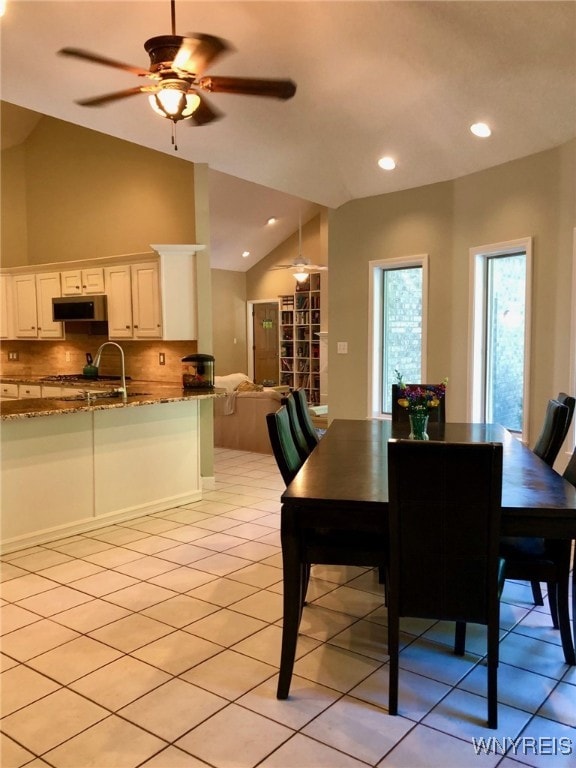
{"x":45,"y":358}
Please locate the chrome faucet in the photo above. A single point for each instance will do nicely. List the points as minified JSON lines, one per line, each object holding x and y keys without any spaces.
{"x":122,"y":388}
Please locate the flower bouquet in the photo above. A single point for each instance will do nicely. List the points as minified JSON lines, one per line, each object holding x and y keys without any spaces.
{"x":418,"y":400}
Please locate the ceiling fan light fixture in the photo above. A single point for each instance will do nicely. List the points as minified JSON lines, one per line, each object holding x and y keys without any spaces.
{"x":173,"y":101}
{"x":301,"y":276}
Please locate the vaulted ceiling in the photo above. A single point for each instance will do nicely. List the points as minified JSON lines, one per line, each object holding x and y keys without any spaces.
{"x":396,"y":78}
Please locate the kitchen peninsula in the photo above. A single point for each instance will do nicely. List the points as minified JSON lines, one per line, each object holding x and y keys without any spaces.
{"x":72,"y":463}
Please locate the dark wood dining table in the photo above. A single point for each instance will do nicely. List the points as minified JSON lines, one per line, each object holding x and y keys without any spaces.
{"x":346,"y":474}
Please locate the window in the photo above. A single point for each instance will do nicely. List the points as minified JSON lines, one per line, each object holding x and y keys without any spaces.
{"x":501,"y":290}
{"x":398,"y":296}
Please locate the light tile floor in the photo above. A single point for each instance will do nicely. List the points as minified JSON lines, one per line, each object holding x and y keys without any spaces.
{"x":156,"y":643}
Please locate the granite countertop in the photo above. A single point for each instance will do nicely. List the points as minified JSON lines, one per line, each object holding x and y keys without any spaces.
{"x":139,"y":393}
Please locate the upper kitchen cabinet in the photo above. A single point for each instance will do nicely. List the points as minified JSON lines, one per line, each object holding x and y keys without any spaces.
{"x":134,"y":305}
{"x":153,"y":299}
{"x":5,"y":307}
{"x":32,"y":296}
{"x":78,"y":282}
{"x":149,"y":295}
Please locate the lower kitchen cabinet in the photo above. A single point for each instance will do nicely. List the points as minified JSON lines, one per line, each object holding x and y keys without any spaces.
{"x":73,"y":472}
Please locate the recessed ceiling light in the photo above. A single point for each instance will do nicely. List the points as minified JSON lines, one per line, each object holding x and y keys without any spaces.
{"x":481,"y":129}
{"x":245,"y":254}
{"x":387,"y":163}
{"x":272,"y":220}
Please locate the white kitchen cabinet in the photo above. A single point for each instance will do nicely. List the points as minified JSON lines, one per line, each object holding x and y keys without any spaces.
{"x":118,"y":285}
{"x":51,"y":390}
{"x":88,"y":282}
{"x":29,"y":390}
{"x":149,"y":295}
{"x":24,"y":299}
{"x":5,"y":306}
{"x":8,"y":391}
{"x":146,"y":309}
{"x":32,"y":305}
{"x":47,"y":288}
{"x":134,"y":308}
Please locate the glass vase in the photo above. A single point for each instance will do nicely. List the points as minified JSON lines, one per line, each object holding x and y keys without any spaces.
{"x":418,"y":426}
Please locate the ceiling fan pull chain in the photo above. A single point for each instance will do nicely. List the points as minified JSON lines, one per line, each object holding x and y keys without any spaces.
{"x":174,"y":136}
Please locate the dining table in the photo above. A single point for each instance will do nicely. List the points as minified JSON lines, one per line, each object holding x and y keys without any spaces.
{"x":347,"y":474}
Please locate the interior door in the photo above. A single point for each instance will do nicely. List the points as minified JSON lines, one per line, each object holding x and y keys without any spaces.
{"x":265,"y":334}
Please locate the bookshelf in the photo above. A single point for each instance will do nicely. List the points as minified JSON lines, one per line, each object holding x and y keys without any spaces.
{"x":299,"y":341}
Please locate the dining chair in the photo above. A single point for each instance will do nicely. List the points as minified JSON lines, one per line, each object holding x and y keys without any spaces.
{"x":400,"y":414}
{"x":319,"y":537}
{"x":557,"y":440}
{"x":306,"y":423}
{"x":284,"y":448}
{"x":296,"y":427}
{"x":444,"y":529}
{"x":536,"y":560}
{"x":553,"y":431}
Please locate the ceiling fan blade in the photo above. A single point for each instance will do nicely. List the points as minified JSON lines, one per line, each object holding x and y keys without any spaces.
{"x":98,"y":101}
{"x":247,"y":86}
{"x":198,"y":51}
{"x":95,"y":58}
{"x":204,"y":113}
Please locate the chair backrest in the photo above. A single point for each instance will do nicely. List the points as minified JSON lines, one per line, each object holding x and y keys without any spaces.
{"x":570,"y":471}
{"x":569,"y":402}
{"x":283,"y":446}
{"x":444,"y":528}
{"x":305,"y":419}
{"x":295,"y":426}
{"x":401,"y":414}
{"x":553,"y":432}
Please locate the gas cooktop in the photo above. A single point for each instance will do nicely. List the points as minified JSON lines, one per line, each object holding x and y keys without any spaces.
{"x":81,"y":377}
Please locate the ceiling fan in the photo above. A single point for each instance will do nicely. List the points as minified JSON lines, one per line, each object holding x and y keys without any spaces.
{"x":301,"y":267}
{"x":177,"y":66}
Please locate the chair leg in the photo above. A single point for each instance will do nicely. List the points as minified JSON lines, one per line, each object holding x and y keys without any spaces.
{"x":393,"y":652}
{"x":553,"y":602}
{"x":460,"y":638}
{"x":563,"y":604}
{"x":294,"y":575}
{"x":305,"y":582}
{"x":492,"y":661}
{"x":536,"y":593}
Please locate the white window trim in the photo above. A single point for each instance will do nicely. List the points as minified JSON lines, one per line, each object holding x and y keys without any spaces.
{"x":375,"y":326}
{"x":476,"y":341}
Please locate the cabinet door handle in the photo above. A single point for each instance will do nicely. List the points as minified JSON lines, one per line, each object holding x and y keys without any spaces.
{"x":135,"y":326}
{"x":128,"y":327}
{"x":84,"y":286}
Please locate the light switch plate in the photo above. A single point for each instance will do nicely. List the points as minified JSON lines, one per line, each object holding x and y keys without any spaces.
{"x":342,"y":347}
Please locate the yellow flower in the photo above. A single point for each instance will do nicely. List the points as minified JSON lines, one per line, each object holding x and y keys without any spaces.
{"x":403,"y":402}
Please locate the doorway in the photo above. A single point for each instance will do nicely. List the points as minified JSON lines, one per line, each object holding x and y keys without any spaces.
{"x":264,"y":343}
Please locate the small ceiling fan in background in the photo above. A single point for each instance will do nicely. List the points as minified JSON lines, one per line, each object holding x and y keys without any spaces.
{"x":177,"y":66}
{"x":301,"y":267}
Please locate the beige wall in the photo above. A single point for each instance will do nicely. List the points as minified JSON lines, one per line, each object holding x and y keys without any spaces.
{"x":229,"y":321}
{"x":90,"y":195}
{"x":263,"y":282}
{"x":13,"y":226}
{"x":531,"y":197}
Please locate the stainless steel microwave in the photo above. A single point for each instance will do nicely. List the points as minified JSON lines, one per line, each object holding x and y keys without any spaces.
{"x":71,"y":308}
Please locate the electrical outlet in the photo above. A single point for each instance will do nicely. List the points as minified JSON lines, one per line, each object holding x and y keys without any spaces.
{"x":161,"y":358}
{"x":13,"y":356}
{"x":67,"y":356}
{"x":342,"y":347}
